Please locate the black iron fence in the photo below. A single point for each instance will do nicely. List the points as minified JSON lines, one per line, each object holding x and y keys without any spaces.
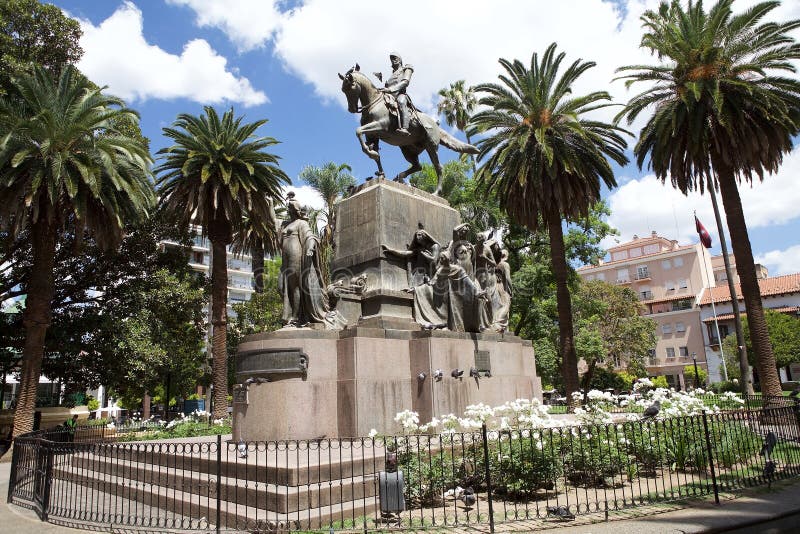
{"x":486,"y":476}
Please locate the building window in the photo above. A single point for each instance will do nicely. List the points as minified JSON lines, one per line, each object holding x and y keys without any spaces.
{"x":601,"y":276}
{"x":666,"y":265}
{"x":651,"y":356}
{"x":669,"y":285}
{"x":682,"y":304}
{"x":677,"y":262}
{"x":198,"y":257}
{"x":642,"y":273}
{"x":646,"y":294}
{"x":650,"y":249}
{"x":680,"y":327}
{"x":684,"y":352}
{"x":621,"y":255}
{"x":635,"y":252}
{"x":712,"y":332}
{"x":670,"y":352}
{"x":666,"y":328}
{"x":623,"y":275}
{"x":683,"y":283}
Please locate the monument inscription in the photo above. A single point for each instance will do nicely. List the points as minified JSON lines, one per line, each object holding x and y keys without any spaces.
{"x":271,"y":362}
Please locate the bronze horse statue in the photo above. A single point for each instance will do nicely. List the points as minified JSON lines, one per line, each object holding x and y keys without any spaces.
{"x":378,"y":123}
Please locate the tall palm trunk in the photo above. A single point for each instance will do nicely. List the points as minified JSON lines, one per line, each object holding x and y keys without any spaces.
{"x":36,"y":319}
{"x":740,"y":241}
{"x":569,"y":360}
{"x":220,"y":236}
{"x":257,"y":263}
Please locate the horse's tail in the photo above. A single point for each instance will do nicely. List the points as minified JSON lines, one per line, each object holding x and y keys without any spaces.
{"x":454,"y":144}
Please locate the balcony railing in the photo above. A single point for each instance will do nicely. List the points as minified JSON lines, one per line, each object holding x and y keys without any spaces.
{"x":642,"y":275}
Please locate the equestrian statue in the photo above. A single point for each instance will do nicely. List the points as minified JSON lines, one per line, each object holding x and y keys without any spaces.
{"x":387,"y":114}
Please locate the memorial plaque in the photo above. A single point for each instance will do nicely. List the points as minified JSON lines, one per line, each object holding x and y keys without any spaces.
{"x":482,"y":362}
{"x":271,"y":362}
{"x":239,"y":394}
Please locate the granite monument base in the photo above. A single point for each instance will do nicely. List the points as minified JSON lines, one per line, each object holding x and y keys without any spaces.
{"x":358,"y":379}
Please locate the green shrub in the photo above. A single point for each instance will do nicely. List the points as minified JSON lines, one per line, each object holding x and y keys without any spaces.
{"x":592,"y":455}
{"x":427,"y":474}
{"x":522,"y":464}
{"x":92,"y":403}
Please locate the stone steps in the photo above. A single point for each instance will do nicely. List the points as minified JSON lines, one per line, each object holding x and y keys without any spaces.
{"x":272,"y":497}
{"x":200,"y":505}
{"x":289,"y":464}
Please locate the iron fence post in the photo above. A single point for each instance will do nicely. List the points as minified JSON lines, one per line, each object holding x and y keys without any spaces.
{"x":48,"y":476}
{"x":710,"y":458}
{"x":219,"y":481}
{"x":13,"y":477}
{"x":488,"y":476}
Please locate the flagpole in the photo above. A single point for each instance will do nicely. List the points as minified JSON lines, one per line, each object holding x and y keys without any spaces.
{"x":716,"y":323}
{"x":744,"y":365}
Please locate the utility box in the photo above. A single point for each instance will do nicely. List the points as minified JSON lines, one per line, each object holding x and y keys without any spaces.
{"x":390,"y":490}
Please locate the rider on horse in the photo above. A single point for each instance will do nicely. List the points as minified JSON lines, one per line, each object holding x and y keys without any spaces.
{"x":396,"y":86}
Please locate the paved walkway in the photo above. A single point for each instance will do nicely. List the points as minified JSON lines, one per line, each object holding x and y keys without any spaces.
{"x":756,"y":506}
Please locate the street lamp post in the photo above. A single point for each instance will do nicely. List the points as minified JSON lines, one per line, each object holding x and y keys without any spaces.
{"x":696,"y":376}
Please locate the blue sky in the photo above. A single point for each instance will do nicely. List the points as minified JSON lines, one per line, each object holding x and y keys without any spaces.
{"x":279,"y":60}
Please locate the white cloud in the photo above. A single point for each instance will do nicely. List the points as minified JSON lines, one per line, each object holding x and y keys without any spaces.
{"x":781,"y":262}
{"x":116,"y":54}
{"x":642,"y":205}
{"x":444,"y":40}
{"x":307,"y":196}
{"x":248,"y":23}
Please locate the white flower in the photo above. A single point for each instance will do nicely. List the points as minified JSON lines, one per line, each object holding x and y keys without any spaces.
{"x":373,"y":433}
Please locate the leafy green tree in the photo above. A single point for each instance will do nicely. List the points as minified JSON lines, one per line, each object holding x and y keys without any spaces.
{"x":102,"y":294}
{"x":216,"y":173}
{"x":610,"y":331}
{"x":35,"y":34}
{"x":546,"y":161}
{"x":331,"y":181}
{"x":160,"y":336}
{"x":784,"y":337}
{"x":60,"y":159}
{"x":723,"y":113}
{"x":457,"y":103}
{"x":689,"y":376}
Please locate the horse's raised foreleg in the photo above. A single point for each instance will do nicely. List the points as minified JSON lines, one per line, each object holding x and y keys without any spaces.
{"x":369,"y":147}
{"x":412,"y":156}
{"x":433,"y":153}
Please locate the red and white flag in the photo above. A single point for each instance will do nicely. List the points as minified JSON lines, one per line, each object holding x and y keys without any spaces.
{"x":705,"y":237}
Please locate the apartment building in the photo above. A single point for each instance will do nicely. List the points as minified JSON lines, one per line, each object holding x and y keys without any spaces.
{"x":669,"y":278}
{"x":721,"y":276}
{"x":240,"y":271}
{"x":778,"y":293}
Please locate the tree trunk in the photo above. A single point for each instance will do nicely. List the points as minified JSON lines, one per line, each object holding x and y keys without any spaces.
{"x":745,"y":267}
{"x":586,"y":379}
{"x":220,"y":237}
{"x":36,"y":319}
{"x":744,"y":366}
{"x":569,"y":360}
{"x":257,"y":263}
{"x":471,"y":156}
{"x":146,"y":406}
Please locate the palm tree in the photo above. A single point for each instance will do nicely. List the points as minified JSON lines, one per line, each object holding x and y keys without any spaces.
{"x":331,"y":181}
{"x":545,"y":162}
{"x":457,"y":103}
{"x":63,"y":164}
{"x":256,"y":238}
{"x":216,"y":173}
{"x":721,"y":116}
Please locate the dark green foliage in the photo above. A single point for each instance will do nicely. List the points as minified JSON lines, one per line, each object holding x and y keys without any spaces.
{"x":525,"y":462}
{"x":33,"y":34}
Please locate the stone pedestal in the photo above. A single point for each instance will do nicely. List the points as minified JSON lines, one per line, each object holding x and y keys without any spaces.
{"x":360,"y":378}
{"x":385,"y":212}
